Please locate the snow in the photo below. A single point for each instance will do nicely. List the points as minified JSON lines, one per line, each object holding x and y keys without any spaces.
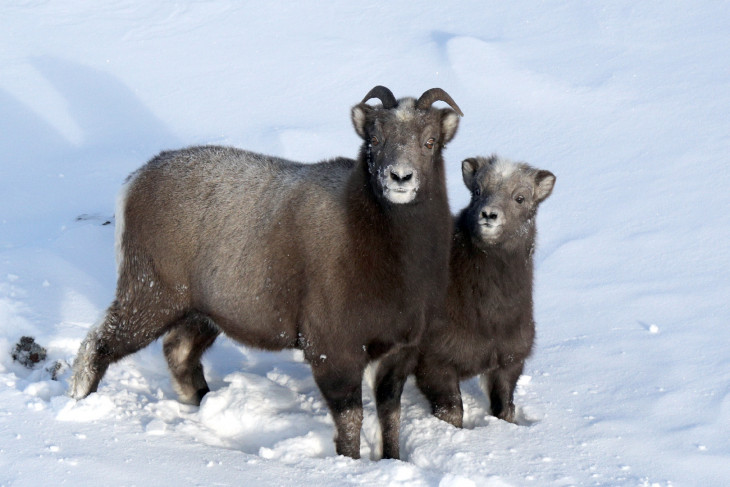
{"x":625,"y":102}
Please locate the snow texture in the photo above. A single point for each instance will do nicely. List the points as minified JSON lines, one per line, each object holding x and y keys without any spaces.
{"x":626,"y":102}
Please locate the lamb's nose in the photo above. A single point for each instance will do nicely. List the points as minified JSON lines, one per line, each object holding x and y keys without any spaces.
{"x":490,"y":214}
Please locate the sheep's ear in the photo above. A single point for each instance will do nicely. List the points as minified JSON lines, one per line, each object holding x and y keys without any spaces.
{"x":544,"y":182}
{"x":359,"y":116}
{"x":469,"y":168}
{"x":449,"y":124}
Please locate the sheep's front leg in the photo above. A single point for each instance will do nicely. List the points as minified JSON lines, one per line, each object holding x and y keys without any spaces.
{"x":440,"y":384}
{"x":342,"y":389}
{"x":392,"y":374}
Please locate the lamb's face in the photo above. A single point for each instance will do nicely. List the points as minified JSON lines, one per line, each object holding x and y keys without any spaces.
{"x":505,"y":197}
{"x":403,"y":145}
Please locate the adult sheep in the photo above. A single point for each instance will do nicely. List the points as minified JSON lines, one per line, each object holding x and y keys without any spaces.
{"x":343,"y":259}
{"x":487,"y":326}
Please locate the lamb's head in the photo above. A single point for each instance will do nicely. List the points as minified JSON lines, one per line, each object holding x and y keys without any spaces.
{"x":504,"y":199}
{"x":403,"y":140}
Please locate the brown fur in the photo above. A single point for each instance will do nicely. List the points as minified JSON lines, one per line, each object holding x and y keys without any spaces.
{"x":278,"y":254}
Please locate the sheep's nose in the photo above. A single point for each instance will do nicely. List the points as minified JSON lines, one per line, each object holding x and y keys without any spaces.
{"x":401,"y":175}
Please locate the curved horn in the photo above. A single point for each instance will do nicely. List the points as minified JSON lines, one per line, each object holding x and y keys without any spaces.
{"x":384,"y":95}
{"x":436,"y":94}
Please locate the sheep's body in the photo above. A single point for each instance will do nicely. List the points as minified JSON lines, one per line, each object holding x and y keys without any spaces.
{"x":487,"y":325}
{"x":278,"y":254}
{"x":254,"y":278}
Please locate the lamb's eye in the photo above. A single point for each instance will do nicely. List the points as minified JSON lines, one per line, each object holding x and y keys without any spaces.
{"x":430,"y":142}
{"x":374,"y":140}
{"x":520,"y":199}
{"x":477,"y":192}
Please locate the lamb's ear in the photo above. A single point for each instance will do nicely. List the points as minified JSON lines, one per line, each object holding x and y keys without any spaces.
{"x":359,"y":116}
{"x":449,"y":123}
{"x":544,"y":182}
{"x":469,"y":168}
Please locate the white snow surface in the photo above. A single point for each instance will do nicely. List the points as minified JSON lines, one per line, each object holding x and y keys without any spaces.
{"x":626,"y":102}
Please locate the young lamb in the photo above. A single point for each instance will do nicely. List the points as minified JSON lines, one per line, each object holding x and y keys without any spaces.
{"x":488,"y":326}
{"x":343,"y":259}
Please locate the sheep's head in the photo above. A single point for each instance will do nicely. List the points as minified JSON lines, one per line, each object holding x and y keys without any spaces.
{"x":504,"y":199}
{"x":403,"y":140}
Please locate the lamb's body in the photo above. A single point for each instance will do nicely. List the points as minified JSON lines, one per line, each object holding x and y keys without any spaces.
{"x":488,"y":329}
{"x":486,"y":326}
{"x":278,"y":254}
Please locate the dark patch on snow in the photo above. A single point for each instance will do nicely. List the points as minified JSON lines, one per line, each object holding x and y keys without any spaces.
{"x":28,"y":353}
{"x":99,"y":219}
{"x":57,"y":368}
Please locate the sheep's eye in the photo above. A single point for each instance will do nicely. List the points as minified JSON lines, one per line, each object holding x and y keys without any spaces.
{"x":520,"y":199}
{"x":430,"y":142}
{"x":374,"y":140}
{"x":477,"y":192}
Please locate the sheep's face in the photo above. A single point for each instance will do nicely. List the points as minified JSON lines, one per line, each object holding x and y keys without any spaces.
{"x":403,"y":147}
{"x":505,"y":197}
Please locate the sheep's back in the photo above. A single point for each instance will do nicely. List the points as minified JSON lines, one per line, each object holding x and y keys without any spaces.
{"x":232,"y":226}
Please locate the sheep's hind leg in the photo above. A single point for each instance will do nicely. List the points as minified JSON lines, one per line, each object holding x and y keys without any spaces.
{"x":502,"y":385}
{"x":184,"y":345}
{"x":123,"y":331}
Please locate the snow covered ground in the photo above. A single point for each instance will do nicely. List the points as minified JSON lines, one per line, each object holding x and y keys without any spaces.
{"x":626,"y":102}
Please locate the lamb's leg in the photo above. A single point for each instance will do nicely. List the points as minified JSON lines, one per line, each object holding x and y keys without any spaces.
{"x":502,"y":383}
{"x":440,"y":384}
{"x":392,"y":374}
{"x":184,"y":345}
{"x":341,"y":387}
